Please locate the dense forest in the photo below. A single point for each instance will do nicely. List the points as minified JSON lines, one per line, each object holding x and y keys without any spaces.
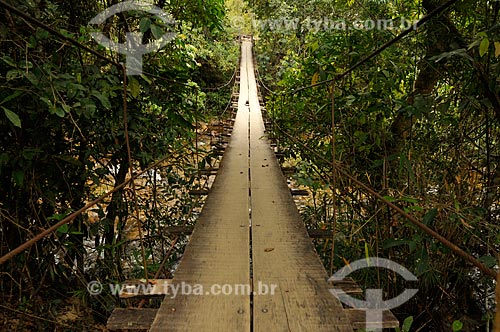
{"x":371,"y":110}
{"x":71,"y":128}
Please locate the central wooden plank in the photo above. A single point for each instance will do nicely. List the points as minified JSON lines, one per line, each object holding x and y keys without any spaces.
{"x":282,"y":253}
{"x":218,"y":253}
{"x":250,"y":220}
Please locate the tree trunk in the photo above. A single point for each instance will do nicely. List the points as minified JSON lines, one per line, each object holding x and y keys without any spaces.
{"x":115,"y":209}
{"x":441,"y":36}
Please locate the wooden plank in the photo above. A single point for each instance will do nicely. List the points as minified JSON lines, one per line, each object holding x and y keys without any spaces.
{"x":358,"y":319}
{"x":131,"y":319}
{"x":299,"y":192}
{"x":143,"y":288}
{"x":208,"y":172}
{"x":218,"y":251}
{"x":187,"y":230}
{"x":282,"y":253}
{"x":199,"y":192}
{"x":320,"y":233}
{"x":178,"y":230}
{"x":348,"y":286}
{"x":220,"y":146}
{"x":280,"y":155}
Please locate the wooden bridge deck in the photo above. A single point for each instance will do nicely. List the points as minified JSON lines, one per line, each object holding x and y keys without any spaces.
{"x":250,"y":233}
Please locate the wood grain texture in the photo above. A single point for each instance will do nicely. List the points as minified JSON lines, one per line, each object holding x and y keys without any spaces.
{"x":218,"y":251}
{"x":131,"y":319}
{"x":302,"y":301}
{"x":358,"y":319}
{"x":250,"y":188}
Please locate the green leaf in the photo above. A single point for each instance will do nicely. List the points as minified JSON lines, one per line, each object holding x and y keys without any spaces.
{"x":484,"y":46}
{"x":88,"y":107}
{"x":8,"y":60}
{"x":57,"y":217}
{"x":32,"y":42}
{"x":13,"y":74}
{"x":47,"y":101}
{"x":13,"y":117}
{"x":429,"y":216}
{"x":145,"y":24}
{"x":66,"y":108}
{"x":489,"y":261}
{"x":135,"y":87}
{"x":66,"y":33}
{"x":389,"y":243}
{"x":30,"y":153}
{"x":42,"y":34}
{"x":63,"y":229}
{"x":144,"y":77}
{"x":25,"y":65}
{"x":457,"y":326}
{"x":10,"y":97}
{"x":409,"y":199}
{"x":18,"y":176}
{"x":59,"y":112}
{"x":157,"y":31}
{"x":102,"y":98}
{"x":390,"y":199}
{"x":4,"y":158}
{"x":407,"y":324}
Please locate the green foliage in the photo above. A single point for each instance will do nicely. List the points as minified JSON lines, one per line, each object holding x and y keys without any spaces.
{"x":13,"y":117}
{"x":419,"y":123}
{"x":407,"y":323}
{"x":63,"y":140}
{"x":457,"y":326}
